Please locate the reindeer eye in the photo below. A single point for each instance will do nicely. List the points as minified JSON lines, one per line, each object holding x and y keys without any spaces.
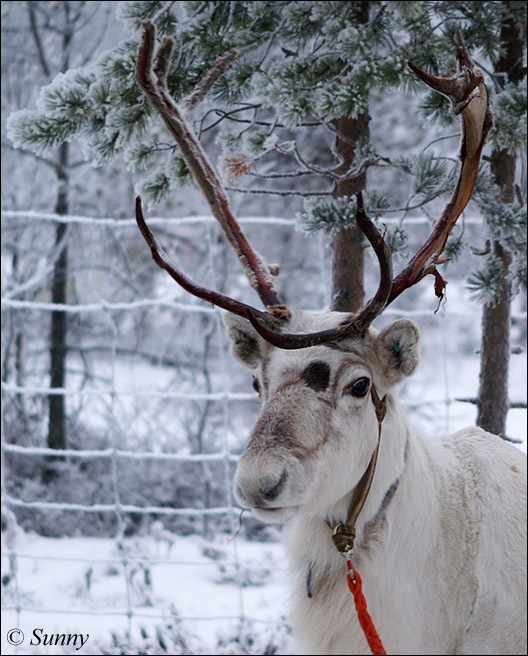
{"x":256,"y":385}
{"x":358,"y":388}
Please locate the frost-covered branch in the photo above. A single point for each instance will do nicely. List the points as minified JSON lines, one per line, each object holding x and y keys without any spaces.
{"x":276,"y":192}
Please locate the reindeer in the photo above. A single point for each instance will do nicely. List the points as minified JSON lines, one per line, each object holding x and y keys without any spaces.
{"x":437,"y":527}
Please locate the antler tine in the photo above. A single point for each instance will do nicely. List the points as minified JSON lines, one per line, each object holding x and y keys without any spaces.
{"x":379,"y":301}
{"x":356,"y":325}
{"x":160,"y":257}
{"x":175,"y":118}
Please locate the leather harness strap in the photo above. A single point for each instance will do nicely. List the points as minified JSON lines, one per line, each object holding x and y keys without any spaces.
{"x":344,"y":535}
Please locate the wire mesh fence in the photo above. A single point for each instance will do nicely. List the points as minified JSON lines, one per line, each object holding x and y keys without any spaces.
{"x":146,"y":364}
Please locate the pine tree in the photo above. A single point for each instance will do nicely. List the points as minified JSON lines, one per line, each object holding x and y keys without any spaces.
{"x":297,"y":98}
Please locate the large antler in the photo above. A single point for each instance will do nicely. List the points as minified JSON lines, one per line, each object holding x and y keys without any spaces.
{"x":469,"y":97}
{"x":151,"y":75}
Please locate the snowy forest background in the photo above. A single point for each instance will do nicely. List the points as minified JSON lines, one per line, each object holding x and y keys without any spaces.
{"x":131,"y":533}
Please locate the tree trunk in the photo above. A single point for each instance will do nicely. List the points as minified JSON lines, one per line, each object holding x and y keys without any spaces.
{"x":57,"y":414}
{"x":492,"y":402}
{"x":348,"y":246}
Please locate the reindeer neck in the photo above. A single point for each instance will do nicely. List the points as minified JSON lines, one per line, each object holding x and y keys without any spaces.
{"x":314,"y":531}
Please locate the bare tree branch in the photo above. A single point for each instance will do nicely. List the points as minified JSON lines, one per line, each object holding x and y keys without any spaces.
{"x":36,"y":37}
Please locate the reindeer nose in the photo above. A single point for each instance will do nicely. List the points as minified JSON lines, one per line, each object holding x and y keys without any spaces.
{"x":271,"y":492}
{"x":261,"y":493}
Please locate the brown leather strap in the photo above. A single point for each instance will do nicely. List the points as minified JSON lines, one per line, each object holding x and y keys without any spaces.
{"x":344,"y":535}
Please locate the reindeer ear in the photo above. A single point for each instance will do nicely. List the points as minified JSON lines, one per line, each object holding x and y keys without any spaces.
{"x":247,"y":346}
{"x":398,"y":348}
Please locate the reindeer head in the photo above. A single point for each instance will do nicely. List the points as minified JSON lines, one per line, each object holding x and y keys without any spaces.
{"x":317,"y":427}
{"x":320,"y":378}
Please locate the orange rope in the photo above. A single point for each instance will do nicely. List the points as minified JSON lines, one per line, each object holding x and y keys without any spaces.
{"x":365,"y":620}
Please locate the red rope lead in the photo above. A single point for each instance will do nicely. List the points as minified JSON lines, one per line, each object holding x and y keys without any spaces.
{"x":365,"y":620}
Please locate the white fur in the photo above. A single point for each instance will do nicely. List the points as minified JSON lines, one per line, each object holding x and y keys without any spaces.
{"x":443,"y":563}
